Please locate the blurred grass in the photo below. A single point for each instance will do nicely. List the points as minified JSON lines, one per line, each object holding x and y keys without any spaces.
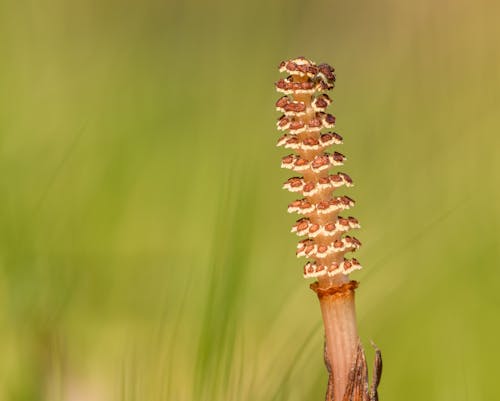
{"x":144,"y":244}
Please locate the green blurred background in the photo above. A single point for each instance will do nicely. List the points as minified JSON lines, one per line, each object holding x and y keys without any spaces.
{"x":145,"y":250}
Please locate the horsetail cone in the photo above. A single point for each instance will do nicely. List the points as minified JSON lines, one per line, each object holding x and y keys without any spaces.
{"x":307,"y":124}
{"x":307,"y":132}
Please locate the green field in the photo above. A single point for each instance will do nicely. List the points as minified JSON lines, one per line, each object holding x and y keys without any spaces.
{"x":145,"y":252}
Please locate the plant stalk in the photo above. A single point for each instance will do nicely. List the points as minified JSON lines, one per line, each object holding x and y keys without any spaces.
{"x":341,"y":333}
{"x":304,"y":117}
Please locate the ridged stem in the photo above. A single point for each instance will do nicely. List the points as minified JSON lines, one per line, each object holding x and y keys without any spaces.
{"x":341,"y":334}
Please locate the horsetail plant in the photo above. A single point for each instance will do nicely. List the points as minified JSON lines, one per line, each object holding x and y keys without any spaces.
{"x":304,"y":120}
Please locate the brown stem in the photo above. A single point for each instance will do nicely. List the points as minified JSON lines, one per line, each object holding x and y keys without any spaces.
{"x":341,"y":333}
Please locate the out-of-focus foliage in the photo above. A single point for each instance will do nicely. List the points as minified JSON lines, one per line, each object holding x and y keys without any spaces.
{"x":144,"y":245}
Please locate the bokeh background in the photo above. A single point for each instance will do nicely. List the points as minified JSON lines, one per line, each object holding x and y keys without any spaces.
{"x":145,"y":250}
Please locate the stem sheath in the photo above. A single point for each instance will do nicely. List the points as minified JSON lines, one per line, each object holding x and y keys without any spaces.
{"x":341,"y":333}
